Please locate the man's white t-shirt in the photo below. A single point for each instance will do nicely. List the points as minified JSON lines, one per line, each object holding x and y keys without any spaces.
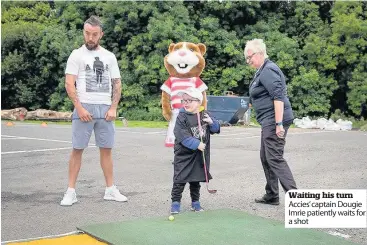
{"x":94,"y":70}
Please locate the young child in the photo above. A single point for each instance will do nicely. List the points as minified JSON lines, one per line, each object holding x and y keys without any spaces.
{"x":188,"y":160}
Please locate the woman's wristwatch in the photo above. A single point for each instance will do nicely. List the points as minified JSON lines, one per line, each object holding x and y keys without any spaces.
{"x":279,"y":123}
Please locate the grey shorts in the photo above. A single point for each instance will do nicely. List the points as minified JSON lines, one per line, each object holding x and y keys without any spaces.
{"x":104,"y":131}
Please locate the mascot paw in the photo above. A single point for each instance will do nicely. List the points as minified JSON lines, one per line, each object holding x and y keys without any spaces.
{"x":167,"y":117}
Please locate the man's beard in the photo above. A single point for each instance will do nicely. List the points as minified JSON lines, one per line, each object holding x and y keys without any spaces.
{"x":91,"y":46}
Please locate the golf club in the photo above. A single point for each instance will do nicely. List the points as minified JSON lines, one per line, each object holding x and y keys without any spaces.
{"x":211,"y":191}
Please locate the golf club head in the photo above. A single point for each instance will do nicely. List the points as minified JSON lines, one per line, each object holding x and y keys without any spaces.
{"x":211,"y":191}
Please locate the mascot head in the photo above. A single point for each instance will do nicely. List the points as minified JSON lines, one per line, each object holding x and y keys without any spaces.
{"x":185,"y":59}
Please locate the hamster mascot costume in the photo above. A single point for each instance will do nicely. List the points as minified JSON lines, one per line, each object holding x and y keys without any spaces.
{"x":184,"y":62}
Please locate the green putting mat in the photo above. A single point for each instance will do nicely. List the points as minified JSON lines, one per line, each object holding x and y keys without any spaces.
{"x":215,"y":227}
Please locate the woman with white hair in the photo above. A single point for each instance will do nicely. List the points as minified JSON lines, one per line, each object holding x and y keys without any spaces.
{"x":268,"y":97}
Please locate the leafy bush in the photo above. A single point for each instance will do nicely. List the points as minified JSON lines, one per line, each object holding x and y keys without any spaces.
{"x":338,"y":115}
{"x":364,"y":127}
{"x":151,"y":114}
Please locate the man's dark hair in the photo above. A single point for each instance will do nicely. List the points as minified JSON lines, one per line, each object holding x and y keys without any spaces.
{"x":94,"y":21}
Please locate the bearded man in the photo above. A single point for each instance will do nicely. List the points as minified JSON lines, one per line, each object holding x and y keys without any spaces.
{"x":94,"y":86}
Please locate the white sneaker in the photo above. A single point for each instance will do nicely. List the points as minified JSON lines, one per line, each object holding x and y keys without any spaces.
{"x":69,"y":198}
{"x":114,"y":194}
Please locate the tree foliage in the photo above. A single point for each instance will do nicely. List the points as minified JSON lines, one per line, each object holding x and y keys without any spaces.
{"x":320,"y":46}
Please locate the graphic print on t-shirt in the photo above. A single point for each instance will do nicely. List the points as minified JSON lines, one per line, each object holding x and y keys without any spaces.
{"x":195,"y":132}
{"x":97,"y":79}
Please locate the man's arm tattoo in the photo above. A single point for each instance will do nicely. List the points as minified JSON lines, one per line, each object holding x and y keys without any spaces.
{"x":71,"y":91}
{"x":116,"y":91}
{"x":74,"y":97}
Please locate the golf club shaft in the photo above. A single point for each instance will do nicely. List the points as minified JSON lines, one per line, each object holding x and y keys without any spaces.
{"x":203,"y":154}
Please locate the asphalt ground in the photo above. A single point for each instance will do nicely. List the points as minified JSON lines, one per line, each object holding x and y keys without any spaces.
{"x":34,"y":167}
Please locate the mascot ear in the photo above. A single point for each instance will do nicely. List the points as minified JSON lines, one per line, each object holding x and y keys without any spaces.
{"x":170,"y":48}
{"x":202,"y":48}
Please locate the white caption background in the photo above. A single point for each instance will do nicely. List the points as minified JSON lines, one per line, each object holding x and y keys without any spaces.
{"x":329,"y":208}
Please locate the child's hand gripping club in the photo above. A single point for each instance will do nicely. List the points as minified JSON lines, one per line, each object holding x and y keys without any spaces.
{"x":207,"y":119}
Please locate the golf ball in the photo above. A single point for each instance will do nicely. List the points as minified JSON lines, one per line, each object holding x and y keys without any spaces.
{"x":171,"y":218}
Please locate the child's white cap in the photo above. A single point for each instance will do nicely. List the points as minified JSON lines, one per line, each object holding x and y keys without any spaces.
{"x":194,"y":93}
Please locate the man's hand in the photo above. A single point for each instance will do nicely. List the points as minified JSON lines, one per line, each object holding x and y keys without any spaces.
{"x":111,"y":114}
{"x":207,"y":119}
{"x":201,"y":146}
{"x":84,"y":115}
{"x":279,"y":130}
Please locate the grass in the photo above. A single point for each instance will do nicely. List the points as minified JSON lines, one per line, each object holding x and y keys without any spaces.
{"x":40,"y":121}
{"x":357,"y":124}
{"x":131,"y":124}
{"x":143,"y":124}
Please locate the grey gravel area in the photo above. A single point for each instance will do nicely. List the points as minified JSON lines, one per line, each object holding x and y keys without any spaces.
{"x":34,"y":176}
